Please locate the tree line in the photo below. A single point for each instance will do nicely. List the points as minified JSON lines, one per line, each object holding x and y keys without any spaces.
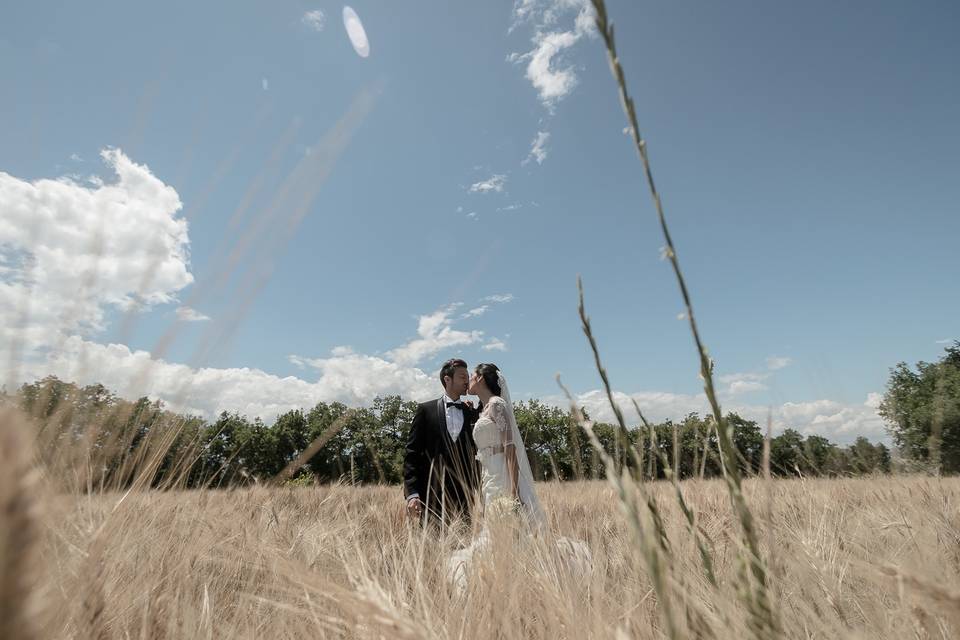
{"x":115,"y":443}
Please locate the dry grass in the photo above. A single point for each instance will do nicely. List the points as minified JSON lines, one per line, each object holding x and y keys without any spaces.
{"x":870,"y":558}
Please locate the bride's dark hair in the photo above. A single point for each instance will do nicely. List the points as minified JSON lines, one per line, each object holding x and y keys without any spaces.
{"x":489,"y":374}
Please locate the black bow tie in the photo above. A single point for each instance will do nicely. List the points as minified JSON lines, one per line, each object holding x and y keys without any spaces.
{"x":458,"y":405}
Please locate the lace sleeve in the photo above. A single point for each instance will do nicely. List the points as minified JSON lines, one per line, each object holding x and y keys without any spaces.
{"x":498,"y":414}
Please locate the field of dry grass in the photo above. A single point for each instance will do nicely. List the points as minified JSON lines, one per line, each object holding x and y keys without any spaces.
{"x":868,"y":558}
{"x":858,"y":558}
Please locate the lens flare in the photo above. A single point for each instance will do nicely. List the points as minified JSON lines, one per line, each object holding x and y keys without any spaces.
{"x":356,"y":33}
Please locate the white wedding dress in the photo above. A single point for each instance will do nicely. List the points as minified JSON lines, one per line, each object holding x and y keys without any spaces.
{"x":494,"y":431}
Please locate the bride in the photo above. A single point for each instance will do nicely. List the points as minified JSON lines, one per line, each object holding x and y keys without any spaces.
{"x":505,"y":470}
{"x":506,"y":482}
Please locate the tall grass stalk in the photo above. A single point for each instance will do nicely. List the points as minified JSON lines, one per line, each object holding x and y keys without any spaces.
{"x":690,"y":516}
{"x":634,"y":452}
{"x":656,"y":556}
{"x":766,"y":623}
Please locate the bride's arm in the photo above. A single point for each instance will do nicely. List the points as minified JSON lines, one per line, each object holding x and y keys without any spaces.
{"x":509,"y":449}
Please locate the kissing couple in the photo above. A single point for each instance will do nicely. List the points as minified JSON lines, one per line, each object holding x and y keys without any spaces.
{"x":456,"y":453}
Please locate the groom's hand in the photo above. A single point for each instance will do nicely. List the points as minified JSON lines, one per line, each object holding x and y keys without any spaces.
{"x":414,"y":507}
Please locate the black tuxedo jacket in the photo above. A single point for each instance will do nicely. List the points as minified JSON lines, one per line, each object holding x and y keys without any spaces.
{"x":443,"y":471}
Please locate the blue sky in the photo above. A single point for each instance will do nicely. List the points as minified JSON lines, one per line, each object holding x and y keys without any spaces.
{"x":332,"y":226}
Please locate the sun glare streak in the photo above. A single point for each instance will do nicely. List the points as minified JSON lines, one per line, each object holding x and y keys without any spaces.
{"x":356,"y":32}
{"x":273,"y":227}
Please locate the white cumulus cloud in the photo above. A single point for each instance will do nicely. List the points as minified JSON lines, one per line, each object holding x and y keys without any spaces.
{"x":73,"y":251}
{"x":842,"y":423}
{"x":435,"y":333}
{"x":354,"y":379}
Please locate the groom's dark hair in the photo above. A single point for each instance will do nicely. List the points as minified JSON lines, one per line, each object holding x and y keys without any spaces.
{"x":449,"y":367}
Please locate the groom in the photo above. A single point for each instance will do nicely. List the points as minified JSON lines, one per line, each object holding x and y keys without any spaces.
{"x":440,"y":473}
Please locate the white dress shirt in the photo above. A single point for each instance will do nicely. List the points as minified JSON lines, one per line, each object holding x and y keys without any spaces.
{"x":454,"y":418}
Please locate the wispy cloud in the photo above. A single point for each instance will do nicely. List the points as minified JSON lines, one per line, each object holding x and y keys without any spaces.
{"x":315,"y":19}
{"x":510,"y":207}
{"x":76,"y":157}
{"x":188,"y":314}
{"x":265,"y":84}
{"x":775,"y":363}
{"x":547,"y":71}
{"x":495,"y":344}
{"x":493,"y":184}
{"x":745,"y":386}
{"x":538,"y":148}
{"x":738,"y":383}
{"x":751,"y":381}
{"x":476,"y":312}
{"x":500,"y":298}
{"x":944,"y":341}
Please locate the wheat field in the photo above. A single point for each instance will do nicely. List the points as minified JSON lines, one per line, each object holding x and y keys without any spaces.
{"x":857,"y":558}
{"x":875,"y":557}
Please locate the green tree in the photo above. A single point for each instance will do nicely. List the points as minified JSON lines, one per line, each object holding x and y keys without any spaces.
{"x":866,"y":457}
{"x":332,"y":462}
{"x":394,"y":416}
{"x":292,"y":435}
{"x":748,"y":440}
{"x":818,"y":456}
{"x":222,"y":462}
{"x":922,"y":410}
{"x":786,"y":452}
{"x":550,"y":440}
{"x":115,"y":442}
